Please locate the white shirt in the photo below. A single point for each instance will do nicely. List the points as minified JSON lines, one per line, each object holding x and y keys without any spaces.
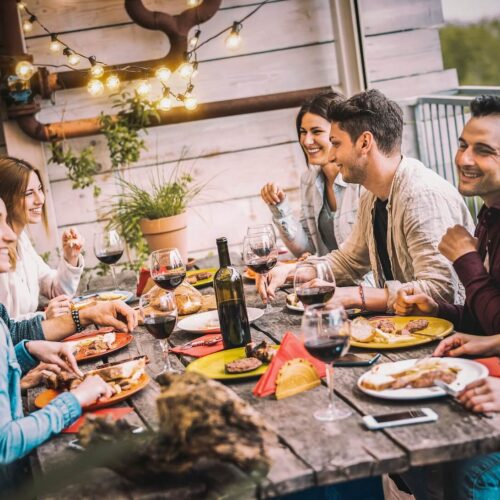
{"x":20,"y":288}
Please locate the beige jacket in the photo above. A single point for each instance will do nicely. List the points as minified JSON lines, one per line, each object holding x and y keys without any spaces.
{"x":421,"y":206}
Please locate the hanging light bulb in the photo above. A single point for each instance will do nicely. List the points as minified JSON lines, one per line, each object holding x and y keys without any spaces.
{"x":143,"y":88}
{"x":193,"y":3}
{"x":21,"y":5}
{"x":186,"y":70}
{"x":96,"y":69}
{"x":73,"y":59}
{"x":163,"y":74}
{"x":190,"y":102}
{"x":95,"y":87}
{"x":55,"y":44}
{"x":165,"y":103}
{"x":233,"y":40}
{"x":194,"y":40}
{"x":113,"y":82}
{"x":24,"y":70}
{"x":28,"y":24}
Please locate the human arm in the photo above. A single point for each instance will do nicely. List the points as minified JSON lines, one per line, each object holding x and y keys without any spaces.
{"x":461,"y":344}
{"x":482,"y":395}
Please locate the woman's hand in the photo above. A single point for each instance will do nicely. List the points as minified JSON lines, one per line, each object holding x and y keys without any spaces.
{"x":274,"y":279}
{"x":58,"y":306}
{"x":56,"y":353}
{"x":92,"y":389}
{"x":462,"y":344}
{"x":38,"y":375}
{"x":410,"y":302}
{"x":272,"y":194}
{"x":72,"y":242}
{"x":482,"y":395}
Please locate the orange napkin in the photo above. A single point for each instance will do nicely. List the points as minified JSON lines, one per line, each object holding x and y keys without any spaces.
{"x":116,"y":413}
{"x":291,"y":347}
{"x":493,"y":365}
{"x":202,"y":350}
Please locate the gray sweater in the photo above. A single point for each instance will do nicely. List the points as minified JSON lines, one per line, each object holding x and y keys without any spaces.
{"x":28,"y":329}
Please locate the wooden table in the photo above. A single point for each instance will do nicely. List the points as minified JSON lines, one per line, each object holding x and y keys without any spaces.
{"x":310,"y":452}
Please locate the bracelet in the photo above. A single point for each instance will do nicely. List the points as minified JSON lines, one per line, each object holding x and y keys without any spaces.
{"x":362,"y":295}
{"x":75,"y":314}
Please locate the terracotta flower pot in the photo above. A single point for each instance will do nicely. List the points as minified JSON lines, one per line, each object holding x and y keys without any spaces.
{"x":167,"y":232}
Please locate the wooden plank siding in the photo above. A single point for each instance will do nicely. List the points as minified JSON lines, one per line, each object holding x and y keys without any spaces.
{"x":288,"y":45}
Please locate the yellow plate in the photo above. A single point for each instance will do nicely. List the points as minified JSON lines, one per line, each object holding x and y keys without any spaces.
{"x":206,"y":281}
{"x":212,"y":366}
{"x":437,"y":328}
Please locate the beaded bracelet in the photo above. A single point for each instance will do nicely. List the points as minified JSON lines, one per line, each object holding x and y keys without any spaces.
{"x":75,"y":314}
{"x":362,"y":295}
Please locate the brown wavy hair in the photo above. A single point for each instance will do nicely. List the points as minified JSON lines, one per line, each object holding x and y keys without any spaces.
{"x":14,"y":178}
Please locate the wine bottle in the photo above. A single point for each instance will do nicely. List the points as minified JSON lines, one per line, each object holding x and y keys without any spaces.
{"x":230,"y":297}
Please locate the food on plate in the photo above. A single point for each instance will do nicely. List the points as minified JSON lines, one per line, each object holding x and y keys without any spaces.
{"x":243,"y":365}
{"x":304,"y":256}
{"x":260,"y":350}
{"x":249,"y":273}
{"x":293,"y":300}
{"x":120,"y":375}
{"x":187,"y":299}
{"x":94,"y":345}
{"x":385,"y":331}
{"x":111,"y":296}
{"x":204,"y":275}
{"x":423,"y":373}
{"x":192,"y":280}
{"x":80,"y":304}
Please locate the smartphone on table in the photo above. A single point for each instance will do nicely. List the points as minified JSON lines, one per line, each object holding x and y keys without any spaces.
{"x":407,"y":417}
{"x":358,"y":359}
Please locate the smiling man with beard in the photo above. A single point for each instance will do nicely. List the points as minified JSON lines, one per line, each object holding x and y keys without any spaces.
{"x":475,"y":259}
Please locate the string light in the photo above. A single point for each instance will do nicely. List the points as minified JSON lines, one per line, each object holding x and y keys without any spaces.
{"x":195,"y":39}
{"x":233,"y":40}
{"x":28,"y":24}
{"x":112,"y":82}
{"x":95,"y":87}
{"x":55,"y":44}
{"x":143,"y":88}
{"x":21,"y":5}
{"x":165,"y":103}
{"x":190,"y":102}
{"x":24,"y":70}
{"x":163,"y":74}
{"x":186,"y":70}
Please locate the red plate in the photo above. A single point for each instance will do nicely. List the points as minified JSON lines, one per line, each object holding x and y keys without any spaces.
{"x":45,"y":397}
{"x":89,"y":333}
{"x":121,"y":340}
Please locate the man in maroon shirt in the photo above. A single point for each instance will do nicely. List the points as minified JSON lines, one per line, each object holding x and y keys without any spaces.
{"x":475,"y":259}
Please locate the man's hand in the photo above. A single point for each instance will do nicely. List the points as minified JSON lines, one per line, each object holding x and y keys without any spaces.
{"x":55,"y":353}
{"x":410,"y":301}
{"x":58,"y":306}
{"x":456,"y":242}
{"x":72,"y":242}
{"x":482,"y":395}
{"x":38,"y":375}
{"x":462,"y":344}
{"x":272,"y":194}
{"x":92,"y":389}
{"x":275,"y":278}
{"x":114,"y":313}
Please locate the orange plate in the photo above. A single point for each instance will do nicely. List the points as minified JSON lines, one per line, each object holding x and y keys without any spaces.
{"x":249,"y":274}
{"x":121,"y":340}
{"x":45,"y":397}
{"x":89,"y":333}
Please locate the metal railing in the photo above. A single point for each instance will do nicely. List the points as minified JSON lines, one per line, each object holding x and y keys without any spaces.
{"x":439,"y":121}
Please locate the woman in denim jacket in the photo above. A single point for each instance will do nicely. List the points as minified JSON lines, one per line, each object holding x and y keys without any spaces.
{"x":328,"y":204}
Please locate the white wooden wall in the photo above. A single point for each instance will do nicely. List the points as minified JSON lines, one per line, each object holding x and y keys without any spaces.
{"x":288,"y":45}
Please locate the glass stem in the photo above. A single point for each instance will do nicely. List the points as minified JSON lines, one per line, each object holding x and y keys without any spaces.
{"x":167,"y":367}
{"x":329,"y":382}
{"x":269,"y":307}
{"x":114,"y":276}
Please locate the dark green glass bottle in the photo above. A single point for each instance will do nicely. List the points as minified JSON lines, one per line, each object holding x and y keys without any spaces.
{"x":230,"y":297}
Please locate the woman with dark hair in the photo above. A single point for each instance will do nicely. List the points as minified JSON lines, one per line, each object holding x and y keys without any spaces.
{"x":328,"y":204}
{"x":22,"y":190}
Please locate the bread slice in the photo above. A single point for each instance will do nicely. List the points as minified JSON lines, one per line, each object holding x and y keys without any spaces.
{"x":129,"y":369}
{"x":362,"y":330}
{"x":377,"y":382}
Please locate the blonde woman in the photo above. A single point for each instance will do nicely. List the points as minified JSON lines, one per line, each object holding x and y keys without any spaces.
{"x":22,"y":190}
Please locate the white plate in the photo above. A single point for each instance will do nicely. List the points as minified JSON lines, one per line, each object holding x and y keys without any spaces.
{"x":298,"y":308}
{"x":125,"y":293}
{"x":204,"y":322}
{"x":469,"y":372}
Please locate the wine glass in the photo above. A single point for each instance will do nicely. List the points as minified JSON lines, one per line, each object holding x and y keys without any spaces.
{"x":108,"y":248}
{"x":326,"y":332}
{"x":159,"y":314}
{"x":167,"y":268}
{"x":313,"y":282}
{"x":260,"y":254}
{"x":261,"y":228}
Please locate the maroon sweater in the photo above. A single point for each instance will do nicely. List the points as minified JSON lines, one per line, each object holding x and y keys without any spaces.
{"x":481,"y":312}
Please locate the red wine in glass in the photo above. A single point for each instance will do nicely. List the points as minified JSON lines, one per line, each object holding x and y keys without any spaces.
{"x":327,"y":349}
{"x":110,"y":258}
{"x":169,"y":281}
{"x":315,"y":294}
{"x":262,"y":265}
{"x":160,"y":327}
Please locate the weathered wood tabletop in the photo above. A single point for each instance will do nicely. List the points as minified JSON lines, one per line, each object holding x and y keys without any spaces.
{"x":310,"y":452}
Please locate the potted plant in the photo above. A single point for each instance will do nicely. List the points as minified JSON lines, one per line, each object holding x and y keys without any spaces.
{"x":157,"y":213}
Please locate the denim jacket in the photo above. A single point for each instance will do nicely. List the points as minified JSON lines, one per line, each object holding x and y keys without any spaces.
{"x":19,"y":434}
{"x":303,"y":235}
{"x":26,"y":329}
